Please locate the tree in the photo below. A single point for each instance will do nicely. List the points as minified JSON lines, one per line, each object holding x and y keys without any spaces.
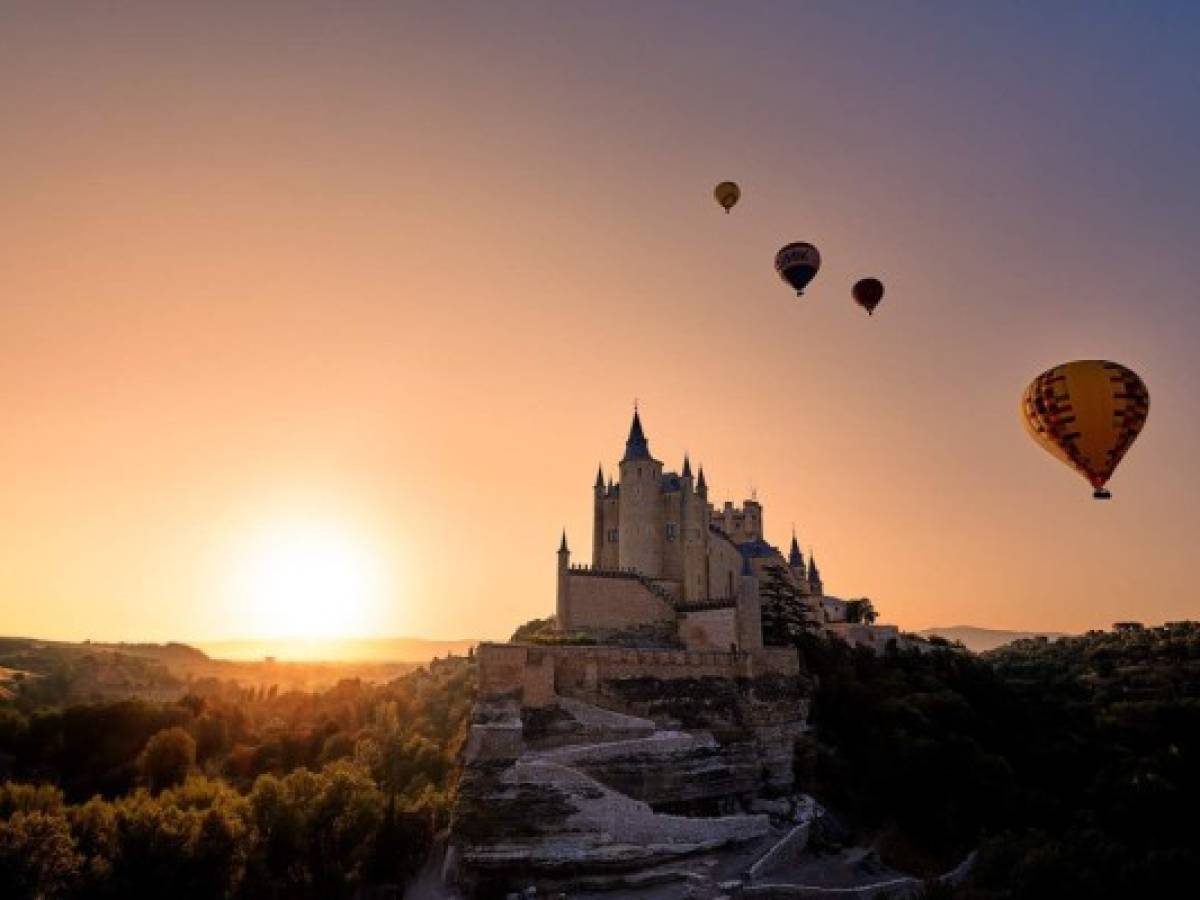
{"x":785,"y":613}
{"x":861,"y":611}
{"x":167,"y":758}
{"x":37,"y":856}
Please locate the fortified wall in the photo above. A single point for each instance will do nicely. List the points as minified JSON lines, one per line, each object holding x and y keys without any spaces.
{"x":537,"y":675}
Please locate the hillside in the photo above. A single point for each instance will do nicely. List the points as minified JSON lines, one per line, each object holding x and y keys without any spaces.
{"x":394,"y":649}
{"x":981,"y":640}
{"x":50,"y":672}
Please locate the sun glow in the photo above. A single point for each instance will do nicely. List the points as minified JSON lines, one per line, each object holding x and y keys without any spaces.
{"x":305,"y":580}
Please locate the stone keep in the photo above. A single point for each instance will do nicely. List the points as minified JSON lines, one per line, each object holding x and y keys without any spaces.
{"x":666,"y":565}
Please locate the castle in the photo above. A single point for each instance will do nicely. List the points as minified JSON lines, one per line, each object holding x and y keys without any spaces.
{"x":667,"y":703}
{"x":669,"y":568}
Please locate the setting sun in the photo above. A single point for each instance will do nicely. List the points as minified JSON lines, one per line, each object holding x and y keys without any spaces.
{"x":304,"y":580}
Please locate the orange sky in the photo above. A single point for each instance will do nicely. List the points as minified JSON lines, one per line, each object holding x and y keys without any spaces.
{"x":401,"y":271}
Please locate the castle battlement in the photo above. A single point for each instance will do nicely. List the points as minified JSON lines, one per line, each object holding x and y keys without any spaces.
{"x":540,"y":673}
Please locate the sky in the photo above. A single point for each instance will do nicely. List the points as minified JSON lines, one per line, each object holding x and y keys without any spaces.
{"x":377,"y":284}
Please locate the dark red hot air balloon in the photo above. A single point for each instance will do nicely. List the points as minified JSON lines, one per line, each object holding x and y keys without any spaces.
{"x":867,"y":293}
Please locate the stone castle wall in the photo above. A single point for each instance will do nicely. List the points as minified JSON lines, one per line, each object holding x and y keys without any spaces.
{"x":597,"y":602}
{"x":709,"y":629}
{"x":724,"y":567}
{"x":541,"y":672}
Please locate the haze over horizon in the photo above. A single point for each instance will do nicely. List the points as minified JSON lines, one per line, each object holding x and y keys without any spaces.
{"x":302,"y":303}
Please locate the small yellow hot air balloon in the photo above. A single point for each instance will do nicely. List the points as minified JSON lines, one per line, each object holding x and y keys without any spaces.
{"x":727,"y":194}
{"x":1087,"y":413}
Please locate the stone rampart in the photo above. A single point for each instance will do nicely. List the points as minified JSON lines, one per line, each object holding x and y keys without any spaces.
{"x":699,"y":688}
{"x":711,"y":628}
{"x":505,"y":668}
{"x":603,"y":602}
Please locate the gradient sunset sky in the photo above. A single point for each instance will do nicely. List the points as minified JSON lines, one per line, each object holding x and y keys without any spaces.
{"x":395,"y":272}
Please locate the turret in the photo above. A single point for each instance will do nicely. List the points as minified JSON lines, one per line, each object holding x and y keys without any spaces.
{"x":598,"y":518}
{"x":693,"y":533}
{"x":815,"y":584}
{"x":640,"y":541}
{"x":752,"y":519}
{"x":749,"y":609}
{"x":562,"y":615}
{"x":796,"y":562}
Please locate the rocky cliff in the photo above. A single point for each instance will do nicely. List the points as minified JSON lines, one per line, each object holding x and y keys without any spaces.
{"x":653,"y":767}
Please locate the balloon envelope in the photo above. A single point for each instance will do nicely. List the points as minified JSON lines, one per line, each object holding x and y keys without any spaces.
{"x":1087,"y":414}
{"x":797,"y":264}
{"x":867,"y":293}
{"x":727,"y":194}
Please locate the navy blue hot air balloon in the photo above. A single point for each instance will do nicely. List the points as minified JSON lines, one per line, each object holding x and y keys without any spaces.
{"x":797,"y":264}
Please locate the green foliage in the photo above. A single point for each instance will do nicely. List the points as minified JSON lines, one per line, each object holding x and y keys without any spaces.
{"x":542,"y":631}
{"x":37,"y":856}
{"x":785,"y":616}
{"x":862,"y":610}
{"x":1071,"y":764}
{"x":167,"y":758}
{"x":534,"y":628}
{"x":305,"y":796}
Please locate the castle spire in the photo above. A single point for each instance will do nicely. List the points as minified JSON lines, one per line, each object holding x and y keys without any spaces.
{"x":701,"y":484}
{"x":562,"y":548}
{"x":599,"y":476}
{"x":636,"y":447}
{"x":687,"y":466}
{"x":814,"y":574}
{"x":795,"y":557}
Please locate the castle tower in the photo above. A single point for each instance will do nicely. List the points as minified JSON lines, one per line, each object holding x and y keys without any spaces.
{"x":598,"y":519}
{"x":752,"y":523}
{"x":693,"y":532}
{"x":640,"y":541}
{"x":815,"y":585}
{"x":749,"y":610}
{"x":562,"y":606}
{"x":796,"y":564}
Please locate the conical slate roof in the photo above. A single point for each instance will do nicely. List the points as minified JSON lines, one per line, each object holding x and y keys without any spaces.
{"x":637,"y":447}
{"x":795,"y":557}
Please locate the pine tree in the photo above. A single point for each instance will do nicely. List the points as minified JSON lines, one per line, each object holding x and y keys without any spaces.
{"x":785,"y":615}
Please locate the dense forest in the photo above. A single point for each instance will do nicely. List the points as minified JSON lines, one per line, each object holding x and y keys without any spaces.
{"x":1068,"y":766}
{"x":240,"y":792}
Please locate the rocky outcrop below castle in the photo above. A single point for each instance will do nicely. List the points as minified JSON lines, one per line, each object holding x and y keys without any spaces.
{"x":607,"y":767}
{"x":619,"y":773}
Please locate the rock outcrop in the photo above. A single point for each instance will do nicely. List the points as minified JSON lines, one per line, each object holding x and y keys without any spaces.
{"x":612,"y":776}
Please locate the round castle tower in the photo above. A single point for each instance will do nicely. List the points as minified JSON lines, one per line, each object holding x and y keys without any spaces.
{"x":640,"y":546}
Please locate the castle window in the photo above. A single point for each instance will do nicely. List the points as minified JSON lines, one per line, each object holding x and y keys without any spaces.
{"x":672,"y":531}
{"x":612,"y":535}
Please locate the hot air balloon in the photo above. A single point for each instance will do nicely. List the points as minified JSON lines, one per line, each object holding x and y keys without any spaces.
{"x":867,"y":293}
{"x":727,"y":194}
{"x":1087,"y":413}
{"x":797,"y":264}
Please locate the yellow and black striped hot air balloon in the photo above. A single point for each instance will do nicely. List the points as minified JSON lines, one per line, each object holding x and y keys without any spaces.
{"x":1087,"y":413}
{"x":727,"y":194}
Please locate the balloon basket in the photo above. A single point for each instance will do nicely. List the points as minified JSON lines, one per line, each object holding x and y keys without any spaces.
{"x":1101,"y":494}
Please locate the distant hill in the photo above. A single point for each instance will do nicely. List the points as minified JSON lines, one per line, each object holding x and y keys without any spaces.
{"x":399,"y":649}
{"x":980,"y":640}
{"x":50,"y":673}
